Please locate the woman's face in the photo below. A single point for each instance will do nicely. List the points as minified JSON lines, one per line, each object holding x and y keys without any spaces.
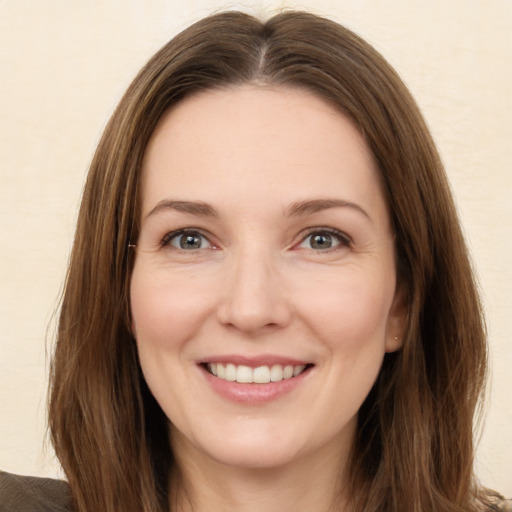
{"x":264,"y":288}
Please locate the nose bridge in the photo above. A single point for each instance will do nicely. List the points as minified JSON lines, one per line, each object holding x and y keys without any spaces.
{"x":253,"y":297}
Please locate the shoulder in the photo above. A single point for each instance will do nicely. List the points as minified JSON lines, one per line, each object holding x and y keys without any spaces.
{"x":33,"y":494}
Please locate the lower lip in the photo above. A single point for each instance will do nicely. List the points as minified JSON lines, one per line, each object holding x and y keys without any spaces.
{"x":254,"y":393}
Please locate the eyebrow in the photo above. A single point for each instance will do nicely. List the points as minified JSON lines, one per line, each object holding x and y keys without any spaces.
{"x":191,"y":207}
{"x":303,"y":208}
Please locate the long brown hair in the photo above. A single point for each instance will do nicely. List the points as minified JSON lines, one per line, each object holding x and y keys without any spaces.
{"x":414,"y":449}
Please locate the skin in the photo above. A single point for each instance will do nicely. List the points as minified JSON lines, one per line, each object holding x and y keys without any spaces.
{"x":256,"y":286}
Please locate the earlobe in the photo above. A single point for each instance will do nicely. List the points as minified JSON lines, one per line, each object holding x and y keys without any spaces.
{"x":397,"y":321}
{"x":394,"y":343}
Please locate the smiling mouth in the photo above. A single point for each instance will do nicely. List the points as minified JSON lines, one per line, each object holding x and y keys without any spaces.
{"x":259,"y":375}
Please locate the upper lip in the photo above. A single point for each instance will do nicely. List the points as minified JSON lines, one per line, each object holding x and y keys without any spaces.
{"x":254,"y":361}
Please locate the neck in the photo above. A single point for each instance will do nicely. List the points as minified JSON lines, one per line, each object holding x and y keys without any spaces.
{"x":314,"y":482}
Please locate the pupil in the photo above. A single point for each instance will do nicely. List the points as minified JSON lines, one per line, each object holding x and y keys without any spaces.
{"x":190,"y":242}
{"x":321,"y":241}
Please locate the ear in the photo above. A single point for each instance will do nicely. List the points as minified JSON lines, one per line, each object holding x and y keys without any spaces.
{"x":397,"y":321}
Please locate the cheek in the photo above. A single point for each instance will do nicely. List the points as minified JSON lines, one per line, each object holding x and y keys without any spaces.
{"x":163,"y":313}
{"x":165,"y":318}
{"x":350,"y":318}
{"x":350,"y":311}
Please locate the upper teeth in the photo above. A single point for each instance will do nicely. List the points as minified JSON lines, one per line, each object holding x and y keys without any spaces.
{"x":259,"y":375}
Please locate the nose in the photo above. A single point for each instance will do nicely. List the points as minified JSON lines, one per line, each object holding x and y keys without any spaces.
{"x":254,"y":299}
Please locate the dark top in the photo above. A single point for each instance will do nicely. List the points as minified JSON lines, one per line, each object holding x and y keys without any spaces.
{"x":33,"y":494}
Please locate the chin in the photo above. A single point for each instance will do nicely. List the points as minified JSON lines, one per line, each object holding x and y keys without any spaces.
{"x":254,"y":457}
{"x":245,"y":448}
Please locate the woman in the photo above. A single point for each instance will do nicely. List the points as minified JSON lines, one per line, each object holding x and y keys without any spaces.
{"x":269,"y":302}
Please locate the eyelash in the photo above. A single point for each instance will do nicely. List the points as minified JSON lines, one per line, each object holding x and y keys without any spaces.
{"x":342,"y":238}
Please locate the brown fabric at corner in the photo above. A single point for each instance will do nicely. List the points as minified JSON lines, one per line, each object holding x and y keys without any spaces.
{"x":33,"y":494}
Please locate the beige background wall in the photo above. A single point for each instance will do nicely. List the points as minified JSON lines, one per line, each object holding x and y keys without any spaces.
{"x":64,"y":65}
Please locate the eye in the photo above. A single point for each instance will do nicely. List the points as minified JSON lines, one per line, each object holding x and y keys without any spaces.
{"x":323,"y":240}
{"x":186,"y":240}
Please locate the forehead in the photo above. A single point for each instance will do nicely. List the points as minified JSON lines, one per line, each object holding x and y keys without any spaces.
{"x":254,"y":141}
